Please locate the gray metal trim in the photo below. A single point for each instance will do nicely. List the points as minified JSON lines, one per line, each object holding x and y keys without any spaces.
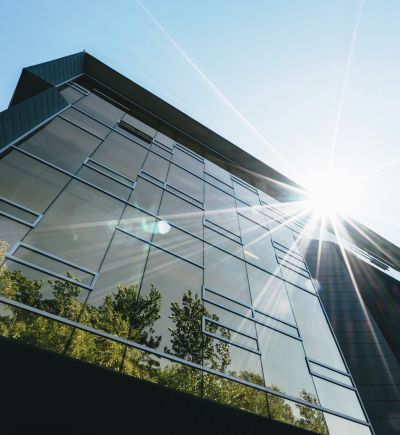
{"x":244,"y":184}
{"x":29,"y":224}
{"x":107,"y":175}
{"x":219,"y":232}
{"x":82,"y":128}
{"x":189,"y":152}
{"x":326,"y":378}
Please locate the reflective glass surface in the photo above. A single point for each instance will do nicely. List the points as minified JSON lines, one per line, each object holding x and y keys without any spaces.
{"x":110,"y":172}
{"x":28,"y":182}
{"x":139,"y":125}
{"x":100,"y":109}
{"x":247,"y":195}
{"x":61,"y":144}
{"x":317,"y":338}
{"x":161,"y":150}
{"x":79,"y":225}
{"x":186,"y":182}
{"x":228,"y":303}
{"x":121,"y":154}
{"x":218,"y":183}
{"x":156,"y":166}
{"x":338,"y":398}
{"x":19,"y":213}
{"x":71,"y":95}
{"x":252,"y":213}
{"x":339,"y":426}
{"x":283,"y":235}
{"x":146,"y":195}
{"x":138,"y":222}
{"x":184,"y":159}
{"x":11,"y":231}
{"x":324,"y":371}
{"x":274,"y":323}
{"x":229,"y":334}
{"x":217,"y":237}
{"x":86,"y":122}
{"x":218,"y":172}
{"x":165,"y":140}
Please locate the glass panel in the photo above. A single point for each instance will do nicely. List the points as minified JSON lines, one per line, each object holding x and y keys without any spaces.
{"x":230,"y":304}
{"x":71,"y":95}
{"x":162,"y":371}
{"x":95,"y":349}
{"x":17,"y":212}
{"x":188,"y":183}
{"x":341,"y":426}
{"x":283,"y":235}
{"x":42,"y":291}
{"x":246,"y":194}
{"x":222,"y":231}
{"x":184,"y":159}
{"x":11,"y":231}
{"x":232,"y":320}
{"x":324,"y":371}
{"x":284,"y":364}
{"x":227,"y":333}
{"x":179,"y":242}
{"x":297,"y":278}
{"x":269,"y":294}
{"x":53,"y":265}
{"x":139,"y":223}
{"x":177,"y":310}
{"x":100,"y":109}
{"x":234,"y":394}
{"x":218,"y":172}
{"x":86,"y":122}
{"x":121,"y":155}
{"x":226,"y":274}
{"x":32,"y":329}
{"x":132,"y":136}
{"x":28,"y":182}
{"x":216,"y":238}
{"x":339,"y":399}
{"x":317,"y":338}
{"x":296,"y":414}
{"x":181,"y":213}
{"x":157,"y":149}
{"x":165,"y":140}
{"x":104,"y":183}
{"x":146,"y":195}
{"x":79,"y":225}
{"x":292,"y":262}
{"x":190,"y":144}
{"x":109,"y":172}
{"x":251,"y":213}
{"x":241,"y":173}
{"x":61,"y":144}
{"x":221,"y":209}
{"x":139,"y":125}
{"x":257,"y":245}
{"x":276,"y":324}
{"x":156,"y":166}
{"x":218,"y":184}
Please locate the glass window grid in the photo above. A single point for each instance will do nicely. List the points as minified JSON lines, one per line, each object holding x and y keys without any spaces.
{"x":11,"y":256}
{"x":104,"y":96}
{"x":65,"y":320}
{"x":15,"y":218}
{"x":253,"y":311}
{"x":188,"y":152}
{"x":292,"y":266}
{"x":334,"y":381}
{"x":244,"y":184}
{"x":86,"y":163}
{"x":77,"y":87}
{"x":238,"y":238}
{"x":77,"y":125}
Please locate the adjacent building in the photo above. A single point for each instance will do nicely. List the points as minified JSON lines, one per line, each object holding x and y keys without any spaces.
{"x":153,"y":272}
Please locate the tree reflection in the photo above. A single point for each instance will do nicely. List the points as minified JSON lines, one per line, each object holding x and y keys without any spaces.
{"x":125,"y":313}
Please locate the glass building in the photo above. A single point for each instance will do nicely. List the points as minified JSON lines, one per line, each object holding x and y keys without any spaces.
{"x":135,"y":239}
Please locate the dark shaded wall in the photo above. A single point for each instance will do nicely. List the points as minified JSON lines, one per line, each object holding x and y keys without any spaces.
{"x":372,"y":363}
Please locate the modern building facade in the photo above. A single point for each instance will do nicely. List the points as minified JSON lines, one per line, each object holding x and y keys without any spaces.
{"x":138,"y":241}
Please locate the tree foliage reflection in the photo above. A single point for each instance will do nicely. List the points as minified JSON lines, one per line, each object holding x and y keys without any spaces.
{"x":127,"y":314}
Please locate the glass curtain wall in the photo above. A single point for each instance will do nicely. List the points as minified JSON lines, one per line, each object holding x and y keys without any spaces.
{"x":128,"y":246}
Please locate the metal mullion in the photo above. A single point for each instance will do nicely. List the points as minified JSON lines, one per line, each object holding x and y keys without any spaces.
{"x":327,"y":378}
{"x":251,"y":220}
{"x":276,"y":318}
{"x":226,"y":297}
{"x":187,"y":170}
{"x":112,"y":170}
{"x":292,"y":264}
{"x":162,"y":146}
{"x":126,"y":108}
{"x":220,"y":226}
{"x":91,"y":116}
{"x":159,"y":247}
{"x":222,"y":234}
{"x":288,"y":252}
{"x":82,"y":128}
{"x":183,"y":193}
{"x":175,"y":359}
{"x":189,"y":153}
{"x":107,"y":175}
{"x":21,"y":221}
{"x":244,"y":184}
{"x":133,"y":140}
{"x":218,"y":179}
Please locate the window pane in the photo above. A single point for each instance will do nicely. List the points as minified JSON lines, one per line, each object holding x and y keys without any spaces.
{"x":121,"y":155}
{"x":296,"y":414}
{"x":297,"y":278}
{"x":33,"y":329}
{"x":216,"y":238}
{"x":221,"y":209}
{"x":62,"y":144}
{"x":341,"y":426}
{"x":184,"y":159}
{"x":339,"y":399}
{"x":79,"y":225}
{"x":17,"y":212}
{"x":176,"y":284}
{"x":283,"y":235}
{"x":269,"y":295}
{"x":218,"y":183}
{"x":246,"y":194}
{"x":157,"y":149}
{"x":251,"y":213}
{"x":11,"y":231}
{"x":71,"y":95}
{"x":139,"y":223}
{"x":188,"y":183}
{"x":28,"y":182}
{"x":257,"y":245}
{"x":139,"y":125}
{"x":137,"y":139}
{"x":100,"y":109}
{"x":182,"y":213}
{"x":86,"y":122}
{"x":231,"y":335}
{"x":156,"y":166}
{"x":218,"y":172}
{"x":226,"y":274}
{"x":42,"y":291}
{"x":234,"y":394}
{"x":317,"y":337}
{"x":324,"y":371}
{"x":165,"y":140}
{"x":109,"y":172}
{"x":228,"y":303}
{"x":146,"y":195}
{"x":104,"y":183}
{"x":276,"y":323}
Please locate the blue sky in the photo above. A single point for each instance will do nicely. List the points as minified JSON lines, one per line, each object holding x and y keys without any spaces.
{"x":263,"y":74}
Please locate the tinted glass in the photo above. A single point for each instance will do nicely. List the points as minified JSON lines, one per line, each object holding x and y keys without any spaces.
{"x":187,"y":161}
{"x":156,"y":166}
{"x":62,"y":144}
{"x":78,"y":226}
{"x":221,"y":300}
{"x":139,"y":223}
{"x":109,"y":172}
{"x":165,"y":140}
{"x":137,"y":139}
{"x":28,"y":182}
{"x":12,"y":231}
{"x":251,"y":213}
{"x":216,"y":237}
{"x":317,"y":337}
{"x":17,"y":212}
{"x":324,"y":371}
{"x":146,"y":195}
{"x":218,"y":184}
{"x":100,"y":109}
{"x":121,"y":154}
{"x":86,"y":122}
{"x":71,"y":95}
{"x":186,"y":182}
{"x":218,"y":172}
{"x":226,"y":274}
{"x":339,"y":426}
{"x":139,"y":125}
{"x":161,"y":150}
{"x":267,"y":320}
{"x":297,"y":277}
{"x":247,"y":195}
{"x":283,"y":235}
